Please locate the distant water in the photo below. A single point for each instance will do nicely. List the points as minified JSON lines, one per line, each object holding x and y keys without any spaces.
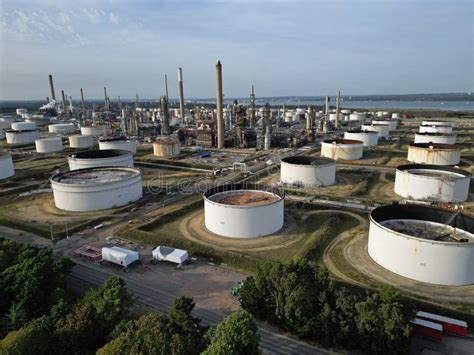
{"x":370,"y":105}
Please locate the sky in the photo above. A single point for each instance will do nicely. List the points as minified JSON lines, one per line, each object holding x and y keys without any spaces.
{"x":283,"y":47}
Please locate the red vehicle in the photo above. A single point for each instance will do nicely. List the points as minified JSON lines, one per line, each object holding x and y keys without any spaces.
{"x":450,"y":325}
{"x":427,"y":329}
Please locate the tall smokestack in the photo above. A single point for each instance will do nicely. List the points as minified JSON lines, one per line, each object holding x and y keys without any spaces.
{"x":181,"y":92}
{"x":310,"y":118}
{"x":164,"y":114}
{"x":64,"y":103}
{"x":51,"y":87}
{"x":220,"y":122}
{"x":166,"y":88}
{"x":338,"y":98}
{"x":106,"y":106}
{"x":120,"y":103}
{"x":83,"y":104}
{"x":252,"y":108}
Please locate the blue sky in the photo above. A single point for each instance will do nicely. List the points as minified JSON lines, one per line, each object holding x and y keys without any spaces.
{"x":284,"y":47}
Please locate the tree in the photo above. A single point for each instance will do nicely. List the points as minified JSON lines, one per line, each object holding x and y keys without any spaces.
{"x":34,"y":338}
{"x":33,"y":282}
{"x":236,"y":335}
{"x":14,"y":319}
{"x":78,"y":330}
{"x":110,"y":301}
{"x":175,"y":333}
{"x":185,"y":329}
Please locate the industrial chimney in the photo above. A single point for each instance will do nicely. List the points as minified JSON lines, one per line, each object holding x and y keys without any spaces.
{"x":51,"y":87}
{"x":181,"y":92}
{"x":220,"y":121}
{"x":164,"y":114}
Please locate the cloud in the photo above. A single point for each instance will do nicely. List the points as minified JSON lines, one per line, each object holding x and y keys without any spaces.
{"x":113,"y":18}
{"x":93,"y":15}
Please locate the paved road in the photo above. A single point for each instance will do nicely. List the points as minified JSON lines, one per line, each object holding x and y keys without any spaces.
{"x":272,"y":342}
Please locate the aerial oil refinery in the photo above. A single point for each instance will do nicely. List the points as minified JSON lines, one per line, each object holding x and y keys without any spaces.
{"x":163,"y":195}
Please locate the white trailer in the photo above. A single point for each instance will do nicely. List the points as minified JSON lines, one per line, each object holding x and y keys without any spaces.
{"x":119,"y":256}
{"x":177,"y":256}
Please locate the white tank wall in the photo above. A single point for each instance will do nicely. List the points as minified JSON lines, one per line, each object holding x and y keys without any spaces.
{"x":121,"y":160}
{"x":129,"y":145}
{"x":436,"y":123}
{"x":243,"y":221}
{"x":308,"y":175}
{"x":369,"y":139}
{"x":62,"y":128}
{"x":382,"y":130}
{"x":436,"y":129}
{"x":342,"y":151}
{"x":165,"y":150}
{"x":49,"y":145}
{"x":95,"y":131}
{"x":80,"y":141}
{"x":431,"y":188}
{"x":391,"y":123}
{"x":332,"y":117}
{"x":443,"y":263}
{"x":448,"y":139}
{"x":16,"y":137}
{"x":434,"y":156}
{"x":6,"y":166}
{"x":103,"y":196}
{"x":22,"y":126}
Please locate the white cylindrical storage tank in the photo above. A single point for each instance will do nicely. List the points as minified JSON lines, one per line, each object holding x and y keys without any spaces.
{"x":307,"y":171}
{"x":23,"y":126}
{"x":391,"y":123}
{"x":95,"y":131}
{"x":49,"y":145}
{"x":435,"y":123}
{"x":432,"y":183}
{"x":436,"y":129}
{"x":21,"y":111}
{"x":423,"y":243}
{"x":369,"y":138}
{"x":435,"y":154}
{"x":20,"y":137}
{"x":289,"y":115}
{"x":332,"y":117}
{"x":242,"y":213}
{"x":383,"y":130}
{"x":6,"y":166}
{"x":346,"y":112}
{"x":395,"y":115}
{"x":118,"y":143}
{"x":96,"y":188}
{"x":435,"y":138}
{"x":100,"y":158}
{"x":342,"y":149}
{"x":355,"y":117}
{"x":62,"y":128}
{"x":80,"y":141}
{"x":166,"y":147}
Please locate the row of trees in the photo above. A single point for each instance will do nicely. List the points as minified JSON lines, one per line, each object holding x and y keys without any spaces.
{"x":307,"y":303}
{"x":40,"y":317}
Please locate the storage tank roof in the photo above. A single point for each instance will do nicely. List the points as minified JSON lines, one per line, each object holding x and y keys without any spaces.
{"x":95,"y":176}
